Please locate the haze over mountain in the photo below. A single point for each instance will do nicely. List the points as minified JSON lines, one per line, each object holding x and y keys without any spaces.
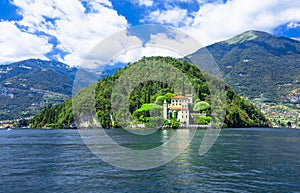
{"x":258,"y":65}
{"x":27,"y":86}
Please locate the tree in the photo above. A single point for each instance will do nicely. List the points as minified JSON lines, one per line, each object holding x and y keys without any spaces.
{"x":159,"y":100}
{"x":201,"y":106}
{"x":168,"y":96}
{"x":147,"y":110}
{"x":23,"y":123}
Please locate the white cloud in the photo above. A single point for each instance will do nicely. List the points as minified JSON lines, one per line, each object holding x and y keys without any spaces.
{"x":175,"y":16}
{"x":111,"y":48}
{"x":185,"y":1}
{"x":147,"y":3}
{"x":180,"y":43}
{"x":149,"y":50}
{"x":171,"y":42}
{"x":122,"y":47}
{"x":218,"y":21}
{"x":293,"y":25}
{"x":76,"y":29}
{"x":17,"y":45}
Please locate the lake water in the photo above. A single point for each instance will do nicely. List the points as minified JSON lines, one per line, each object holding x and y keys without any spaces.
{"x":242,"y":160}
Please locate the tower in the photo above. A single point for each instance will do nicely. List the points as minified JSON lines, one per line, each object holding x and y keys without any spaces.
{"x":165,"y":109}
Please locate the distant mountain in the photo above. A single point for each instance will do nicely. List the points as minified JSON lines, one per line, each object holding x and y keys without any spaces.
{"x":258,"y":65}
{"x":255,"y":64}
{"x":27,"y":86}
{"x":109,"y":70}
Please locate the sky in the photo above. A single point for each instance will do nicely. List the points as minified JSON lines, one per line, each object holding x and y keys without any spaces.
{"x":68,"y":30}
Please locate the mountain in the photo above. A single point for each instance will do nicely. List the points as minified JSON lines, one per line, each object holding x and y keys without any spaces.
{"x":258,"y":65}
{"x":28,"y":86}
{"x":109,"y":70}
{"x":239,"y":112}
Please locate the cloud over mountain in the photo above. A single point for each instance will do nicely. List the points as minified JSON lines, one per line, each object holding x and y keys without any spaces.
{"x":67,"y":30}
{"x":217,"y":20}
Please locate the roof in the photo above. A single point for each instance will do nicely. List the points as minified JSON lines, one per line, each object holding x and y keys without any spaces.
{"x":177,"y":108}
{"x":179,"y":97}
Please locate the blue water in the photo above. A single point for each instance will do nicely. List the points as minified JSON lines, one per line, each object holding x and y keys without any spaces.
{"x":242,"y":160}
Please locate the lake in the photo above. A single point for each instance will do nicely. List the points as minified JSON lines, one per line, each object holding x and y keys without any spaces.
{"x":241,"y":160}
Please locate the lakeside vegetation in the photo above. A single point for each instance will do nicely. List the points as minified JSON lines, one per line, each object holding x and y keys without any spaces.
{"x":148,"y":96}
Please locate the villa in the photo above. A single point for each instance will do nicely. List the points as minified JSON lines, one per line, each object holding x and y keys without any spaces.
{"x":179,"y":109}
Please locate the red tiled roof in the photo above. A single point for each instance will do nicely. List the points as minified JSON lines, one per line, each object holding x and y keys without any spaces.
{"x":177,"y":108}
{"x":179,"y":97}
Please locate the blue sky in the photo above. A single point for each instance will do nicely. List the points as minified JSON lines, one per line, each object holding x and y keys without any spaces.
{"x":67,"y":30}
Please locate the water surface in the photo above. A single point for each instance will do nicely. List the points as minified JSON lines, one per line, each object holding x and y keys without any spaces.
{"x":242,"y":160}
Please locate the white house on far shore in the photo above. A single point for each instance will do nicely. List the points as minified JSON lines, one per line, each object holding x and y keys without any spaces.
{"x":179,"y":108}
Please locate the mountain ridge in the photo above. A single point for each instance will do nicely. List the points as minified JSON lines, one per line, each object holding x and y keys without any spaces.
{"x":255,"y":64}
{"x":27,"y":86}
{"x":258,"y":64}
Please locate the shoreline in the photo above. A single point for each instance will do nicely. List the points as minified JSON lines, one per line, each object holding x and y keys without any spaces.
{"x":198,"y":128}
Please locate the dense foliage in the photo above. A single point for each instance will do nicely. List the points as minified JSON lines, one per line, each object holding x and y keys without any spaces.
{"x":201,"y":106}
{"x":148,"y":96}
{"x":59,"y":116}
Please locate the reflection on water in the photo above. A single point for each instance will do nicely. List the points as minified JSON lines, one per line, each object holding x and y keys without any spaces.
{"x":242,"y":160}
{"x":146,"y":152}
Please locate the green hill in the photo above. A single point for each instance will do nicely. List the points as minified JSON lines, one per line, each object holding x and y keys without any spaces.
{"x":28,"y":86}
{"x":259,"y":65}
{"x":239,"y":113}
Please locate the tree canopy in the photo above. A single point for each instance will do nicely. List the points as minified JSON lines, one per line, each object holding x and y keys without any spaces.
{"x":146,"y":97}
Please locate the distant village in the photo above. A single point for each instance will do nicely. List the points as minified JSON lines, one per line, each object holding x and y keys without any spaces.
{"x":16,"y":123}
{"x":280,"y":115}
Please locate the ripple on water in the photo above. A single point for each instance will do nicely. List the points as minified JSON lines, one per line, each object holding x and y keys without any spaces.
{"x":242,"y":160}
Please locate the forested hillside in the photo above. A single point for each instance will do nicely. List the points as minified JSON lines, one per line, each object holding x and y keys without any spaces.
{"x":239,"y":113}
